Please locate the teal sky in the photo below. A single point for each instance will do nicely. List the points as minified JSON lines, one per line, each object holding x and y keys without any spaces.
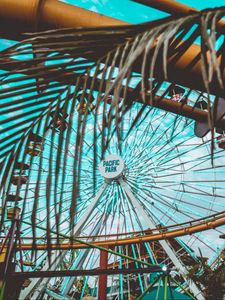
{"x":132,"y":12}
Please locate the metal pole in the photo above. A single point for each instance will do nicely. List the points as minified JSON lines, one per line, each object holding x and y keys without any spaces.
{"x":102,"y":285}
{"x":76,"y":273}
{"x":169,"y":6}
{"x":21,"y":16}
{"x":165,"y":279}
{"x":172,"y":7}
{"x":6,"y":264}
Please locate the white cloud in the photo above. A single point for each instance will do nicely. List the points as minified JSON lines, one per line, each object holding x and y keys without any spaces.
{"x":94,"y":8}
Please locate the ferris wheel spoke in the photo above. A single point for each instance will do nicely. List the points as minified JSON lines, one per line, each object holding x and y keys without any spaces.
{"x":142,"y":134}
{"x":64,"y":210}
{"x":164,"y":133}
{"x":203,"y":241}
{"x":185,"y":202}
{"x":160,"y":199}
{"x":216,"y":157}
{"x":164,"y":211}
{"x":165,"y":153}
{"x":149,"y":141}
{"x":189,"y":194}
{"x":140,"y":152}
{"x":180,"y":154}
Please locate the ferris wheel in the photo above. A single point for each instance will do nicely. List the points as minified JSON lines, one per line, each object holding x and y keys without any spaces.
{"x":157,"y":179}
{"x":103,"y":195}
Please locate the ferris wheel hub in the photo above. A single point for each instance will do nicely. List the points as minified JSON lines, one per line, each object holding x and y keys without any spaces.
{"x":112,"y":167}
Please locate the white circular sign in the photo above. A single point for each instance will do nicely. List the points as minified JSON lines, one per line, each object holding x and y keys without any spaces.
{"x":111,"y":167}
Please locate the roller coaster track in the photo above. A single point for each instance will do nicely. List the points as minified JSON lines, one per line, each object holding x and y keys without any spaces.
{"x":205,"y":224}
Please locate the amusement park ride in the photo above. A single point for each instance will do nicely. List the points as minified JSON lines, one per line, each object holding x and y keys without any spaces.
{"x":112,"y":153}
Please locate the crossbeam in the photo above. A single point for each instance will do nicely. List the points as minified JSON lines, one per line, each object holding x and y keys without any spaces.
{"x":17,"y":17}
{"x":93,"y":272}
{"x":174,"y":8}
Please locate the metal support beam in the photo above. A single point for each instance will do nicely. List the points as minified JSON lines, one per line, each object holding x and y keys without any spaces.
{"x":17,"y":17}
{"x":93,"y":272}
{"x":172,"y":7}
{"x":165,"y":244}
{"x":68,"y":283}
{"x":169,"y":6}
{"x":102,"y":283}
{"x":57,"y":257}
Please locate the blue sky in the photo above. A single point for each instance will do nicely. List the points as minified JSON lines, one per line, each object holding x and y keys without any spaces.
{"x":133,"y":12}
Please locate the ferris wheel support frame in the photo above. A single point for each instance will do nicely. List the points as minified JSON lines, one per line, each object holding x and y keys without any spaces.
{"x":32,"y":288}
{"x":165,"y":245}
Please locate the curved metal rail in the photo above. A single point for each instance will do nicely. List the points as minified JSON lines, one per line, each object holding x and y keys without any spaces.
{"x":188,"y":230}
